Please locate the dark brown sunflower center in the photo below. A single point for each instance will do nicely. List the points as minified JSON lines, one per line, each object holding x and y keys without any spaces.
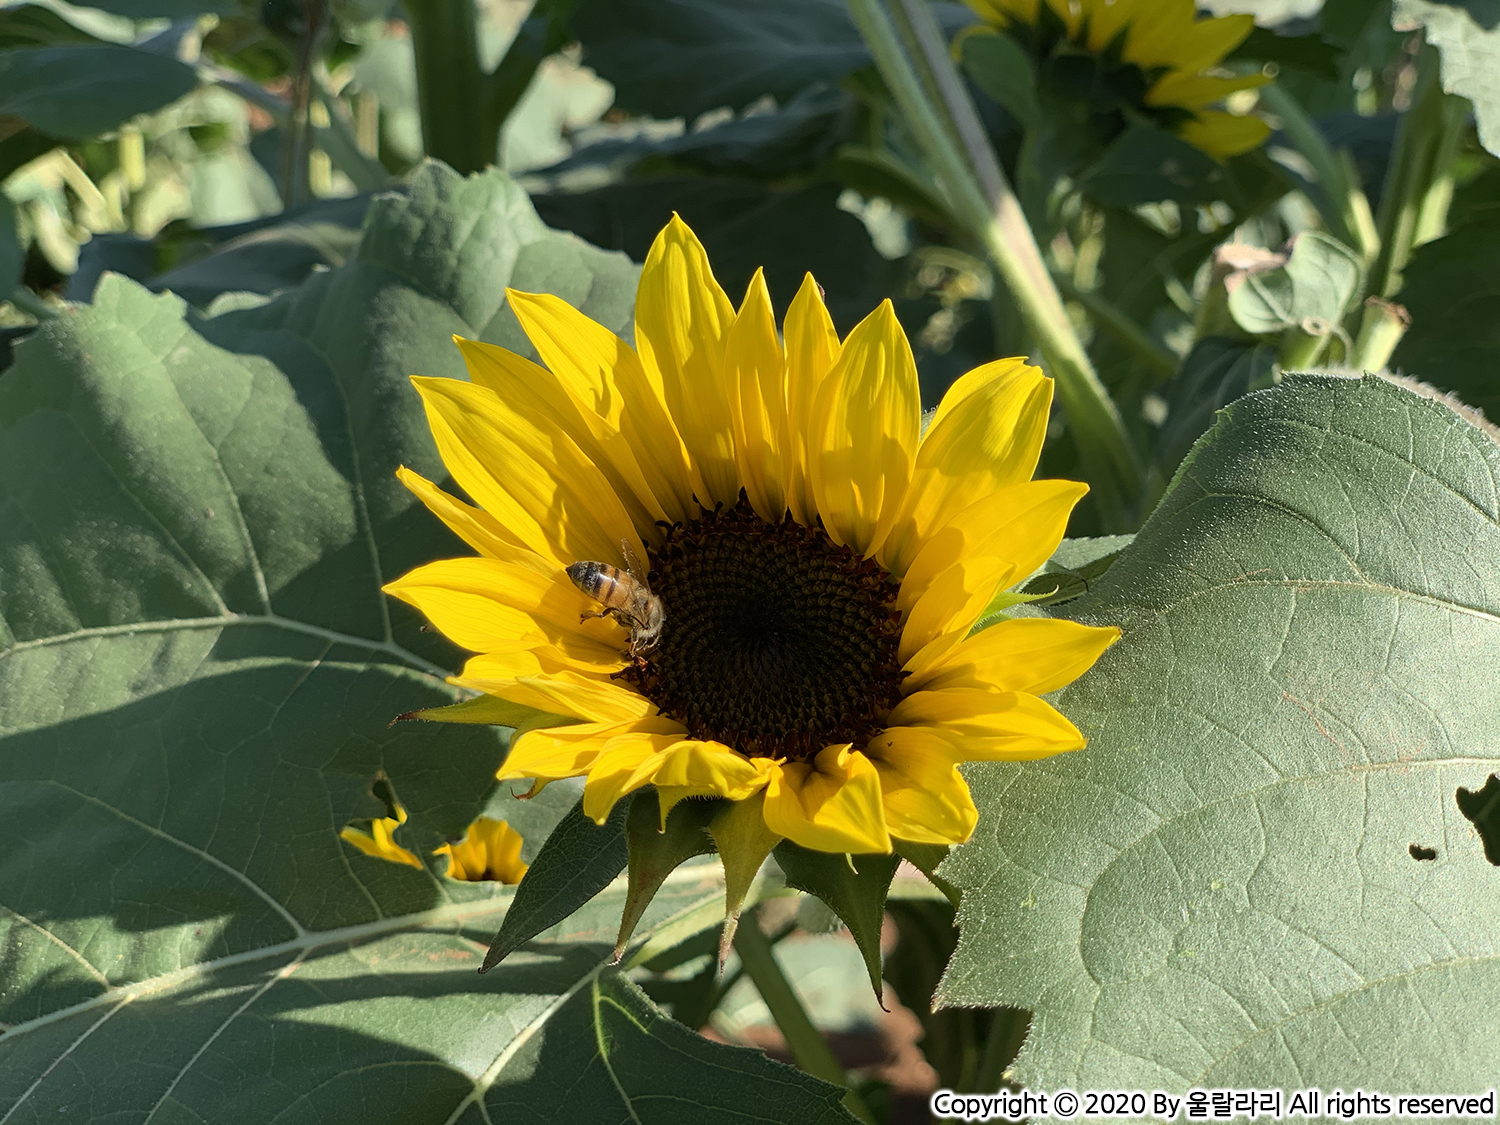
{"x":777,"y":641}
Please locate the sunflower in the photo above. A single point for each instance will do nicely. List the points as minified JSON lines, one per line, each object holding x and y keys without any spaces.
{"x":1145,"y":58}
{"x":820,"y":559}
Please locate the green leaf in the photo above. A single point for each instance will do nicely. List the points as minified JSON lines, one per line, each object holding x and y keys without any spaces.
{"x":996,"y":63}
{"x":197,"y":677}
{"x":579,"y":859}
{"x":680,"y":58}
{"x":1146,"y":164}
{"x":1216,"y":372}
{"x":1219,"y":890}
{"x":78,"y":91}
{"x":1311,"y":53}
{"x":609,"y":1055}
{"x":854,"y":887}
{"x":1075,"y":567}
{"x":270,"y":255}
{"x":656,"y":850}
{"x":1451,"y":287}
{"x":12,"y":255}
{"x":32,"y":25}
{"x":1467,"y":35}
{"x":1315,"y":286}
{"x":792,"y":139}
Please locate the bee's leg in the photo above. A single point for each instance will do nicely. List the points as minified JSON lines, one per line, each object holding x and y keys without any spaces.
{"x":586,"y":614}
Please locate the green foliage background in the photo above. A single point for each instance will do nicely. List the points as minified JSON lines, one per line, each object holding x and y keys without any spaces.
{"x":197,"y":508}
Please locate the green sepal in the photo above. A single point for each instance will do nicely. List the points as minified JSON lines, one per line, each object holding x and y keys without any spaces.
{"x":656,"y":850}
{"x":743,"y":841}
{"x":925,"y":858}
{"x":853,"y":887}
{"x":1006,"y":599}
{"x":487,"y":710}
{"x":577,"y":861}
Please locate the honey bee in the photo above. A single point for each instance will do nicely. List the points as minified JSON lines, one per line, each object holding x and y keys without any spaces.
{"x":625,"y":595}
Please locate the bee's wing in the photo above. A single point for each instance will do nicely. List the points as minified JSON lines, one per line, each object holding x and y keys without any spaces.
{"x":637,"y":569}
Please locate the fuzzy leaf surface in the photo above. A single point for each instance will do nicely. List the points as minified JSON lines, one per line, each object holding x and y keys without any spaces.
{"x":197,"y":677}
{"x":1219,"y":891}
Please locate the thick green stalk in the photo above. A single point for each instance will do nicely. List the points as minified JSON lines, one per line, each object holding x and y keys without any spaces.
{"x":1414,"y":205}
{"x":1409,"y":175}
{"x":959,"y":151}
{"x":808,"y":1047}
{"x":450,"y":84}
{"x":1345,"y":210}
{"x":1380,"y":330}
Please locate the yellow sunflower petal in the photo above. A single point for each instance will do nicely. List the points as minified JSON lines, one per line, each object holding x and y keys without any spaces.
{"x":951,"y":604}
{"x":812,"y":347}
{"x":1031,"y":654}
{"x":1002,"y":12}
{"x":1156,"y":32}
{"x":1196,"y":90}
{"x":682,"y":318}
{"x":526,"y":473}
{"x":1021,"y":525}
{"x":831,"y":804}
{"x":986,"y":435}
{"x":484,"y":605}
{"x":606,"y":379}
{"x":1223,"y":134}
{"x":377,"y":841}
{"x":863,"y":437}
{"x":489,"y":851}
{"x":926,"y":799}
{"x":990,"y":726}
{"x":557,"y":752}
{"x":623,"y":766}
{"x":474,"y":526}
{"x":536,"y":393}
{"x":680,"y":767}
{"x":705,"y":769}
{"x":1202,"y":43}
{"x":1107,"y":20}
{"x":543,"y":678}
{"x":757,"y":378}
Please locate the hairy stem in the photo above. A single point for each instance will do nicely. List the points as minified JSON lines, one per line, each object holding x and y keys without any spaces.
{"x":953,"y":139}
{"x":450,"y":84}
{"x":808,"y":1047}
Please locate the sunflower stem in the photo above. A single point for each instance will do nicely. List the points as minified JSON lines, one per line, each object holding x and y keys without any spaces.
{"x":953,"y":138}
{"x":450,"y":83}
{"x":1422,"y":139}
{"x":808,"y":1047}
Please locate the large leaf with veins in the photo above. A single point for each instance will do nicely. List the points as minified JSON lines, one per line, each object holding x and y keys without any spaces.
{"x":1227,"y":887}
{"x":197,"y":678}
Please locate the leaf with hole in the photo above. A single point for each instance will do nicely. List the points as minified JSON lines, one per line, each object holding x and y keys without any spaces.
{"x":198,"y":674}
{"x":1218,"y":891}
